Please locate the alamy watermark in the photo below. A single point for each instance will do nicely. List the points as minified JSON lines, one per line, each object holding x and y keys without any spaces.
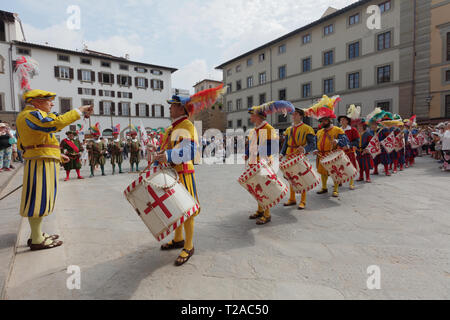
{"x":73,"y":282}
{"x":374,"y":280}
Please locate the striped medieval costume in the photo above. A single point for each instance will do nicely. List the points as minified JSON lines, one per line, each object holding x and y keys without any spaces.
{"x":41,"y":151}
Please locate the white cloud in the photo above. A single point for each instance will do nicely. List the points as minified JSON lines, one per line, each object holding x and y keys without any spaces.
{"x":192,"y":73}
{"x":57,"y":35}
{"x":61,"y":37}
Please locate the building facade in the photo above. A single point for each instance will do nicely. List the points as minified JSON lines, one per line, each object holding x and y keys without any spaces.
{"x":336,"y":55}
{"x":122,"y":91}
{"x":214,"y":117}
{"x":439,"y":60}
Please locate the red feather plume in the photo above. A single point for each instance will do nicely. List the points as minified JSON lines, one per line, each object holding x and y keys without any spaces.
{"x":204,"y":99}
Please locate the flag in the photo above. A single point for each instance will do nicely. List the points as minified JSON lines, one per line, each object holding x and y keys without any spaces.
{"x":413,"y":141}
{"x":143,"y":132}
{"x":389,"y":143}
{"x":399,"y":142}
{"x":374,"y":147}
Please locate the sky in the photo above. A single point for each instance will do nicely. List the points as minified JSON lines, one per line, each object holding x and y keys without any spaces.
{"x":194,"y":36}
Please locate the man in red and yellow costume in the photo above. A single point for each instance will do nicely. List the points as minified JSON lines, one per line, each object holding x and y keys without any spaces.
{"x":329,"y":138}
{"x":300,"y":138}
{"x":353,"y":138}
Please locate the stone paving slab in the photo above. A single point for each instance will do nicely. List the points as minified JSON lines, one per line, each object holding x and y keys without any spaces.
{"x":399,"y":223}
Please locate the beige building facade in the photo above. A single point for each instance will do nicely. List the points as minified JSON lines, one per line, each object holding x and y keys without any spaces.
{"x":337,"y":54}
{"x":440,"y":60}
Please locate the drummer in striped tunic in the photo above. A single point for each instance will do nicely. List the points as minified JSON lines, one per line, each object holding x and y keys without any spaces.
{"x":263,"y":143}
{"x":178,"y":148}
{"x":36,"y":128}
{"x":329,"y":138}
{"x":353,"y":137}
{"x":300,"y":139}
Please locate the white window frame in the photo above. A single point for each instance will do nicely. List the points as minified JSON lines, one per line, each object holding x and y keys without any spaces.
{"x":142,"y":109}
{"x":250,"y":82}
{"x":65,"y":74}
{"x":86,"y":72}
{"x":107,"y":106}
{"x":140,"y":82}
{"x":128,"y":104}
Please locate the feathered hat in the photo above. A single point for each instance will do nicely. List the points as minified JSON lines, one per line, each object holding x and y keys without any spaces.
{"x":353,"y":115}
{"x":410,"y":122}
{"x":25,"y":69}
{"x":375,"y":116}
{"x":199,"y":101}
{"x":324,"y":108}
{"x":281,"y":106}
{"x":95,"y":130}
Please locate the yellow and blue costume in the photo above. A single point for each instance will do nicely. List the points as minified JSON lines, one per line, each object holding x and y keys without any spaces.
{"x":41,"y":150}
{"x":325,"y":145}
{"x":300,"y":135}
{"x":263,"y":143}
{"x":180,"y":142}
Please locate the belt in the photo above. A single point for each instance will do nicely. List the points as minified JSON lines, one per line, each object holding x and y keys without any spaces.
{"x":41,"y":146}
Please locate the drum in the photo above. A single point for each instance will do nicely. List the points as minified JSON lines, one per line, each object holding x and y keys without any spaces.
{"x":263,"y":184}
{"x":300,"y":173}
{"x":339,"y":167}
{"x":162,"y":202}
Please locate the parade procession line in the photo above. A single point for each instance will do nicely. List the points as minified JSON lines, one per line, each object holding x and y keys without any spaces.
{"x":398,"y":223}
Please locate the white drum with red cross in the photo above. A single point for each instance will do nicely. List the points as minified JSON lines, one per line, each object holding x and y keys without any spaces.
{"x":261,"y":181}
{"x":162,"y":202}
{"x":339,"y":167}
{"x":300,"y":173}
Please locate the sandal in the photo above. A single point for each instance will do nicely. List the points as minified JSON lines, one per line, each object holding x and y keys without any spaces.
{"x":43,"y":246}
{"x":172,"y":245}
{"x":52,"y":237}
{"x":323,"y":191}
{"x":182,"y":260}
{"x":301,"y":206}
{"x":256,"y":215}
{"x":290,"y":203}
{"x":263,"y":220}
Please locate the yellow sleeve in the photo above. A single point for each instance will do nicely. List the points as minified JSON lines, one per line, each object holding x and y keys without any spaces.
{"x":49,"y":123}
{"x":186,"y":131}
{"x":287,"y":132}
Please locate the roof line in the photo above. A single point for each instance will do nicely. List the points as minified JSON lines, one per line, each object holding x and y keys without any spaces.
{"x":98,"y":56}
{"x":296,"y":31}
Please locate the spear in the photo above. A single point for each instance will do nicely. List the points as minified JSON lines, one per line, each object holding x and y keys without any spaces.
{"x":11,"y":192}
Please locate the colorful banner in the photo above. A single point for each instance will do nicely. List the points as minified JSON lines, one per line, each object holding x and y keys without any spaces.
{"x":389,"y":143}
{"x":374,"y":147}
{"x":399,"y":142}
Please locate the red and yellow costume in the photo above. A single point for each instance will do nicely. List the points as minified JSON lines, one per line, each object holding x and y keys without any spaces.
{"x":300,"y":135}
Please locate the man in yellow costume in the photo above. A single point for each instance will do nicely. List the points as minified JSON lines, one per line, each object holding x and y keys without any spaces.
{"x":329,"y":137}
{"x":36,"y":128}
{"x":300,"y":139}
{"x":263,"y":143}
